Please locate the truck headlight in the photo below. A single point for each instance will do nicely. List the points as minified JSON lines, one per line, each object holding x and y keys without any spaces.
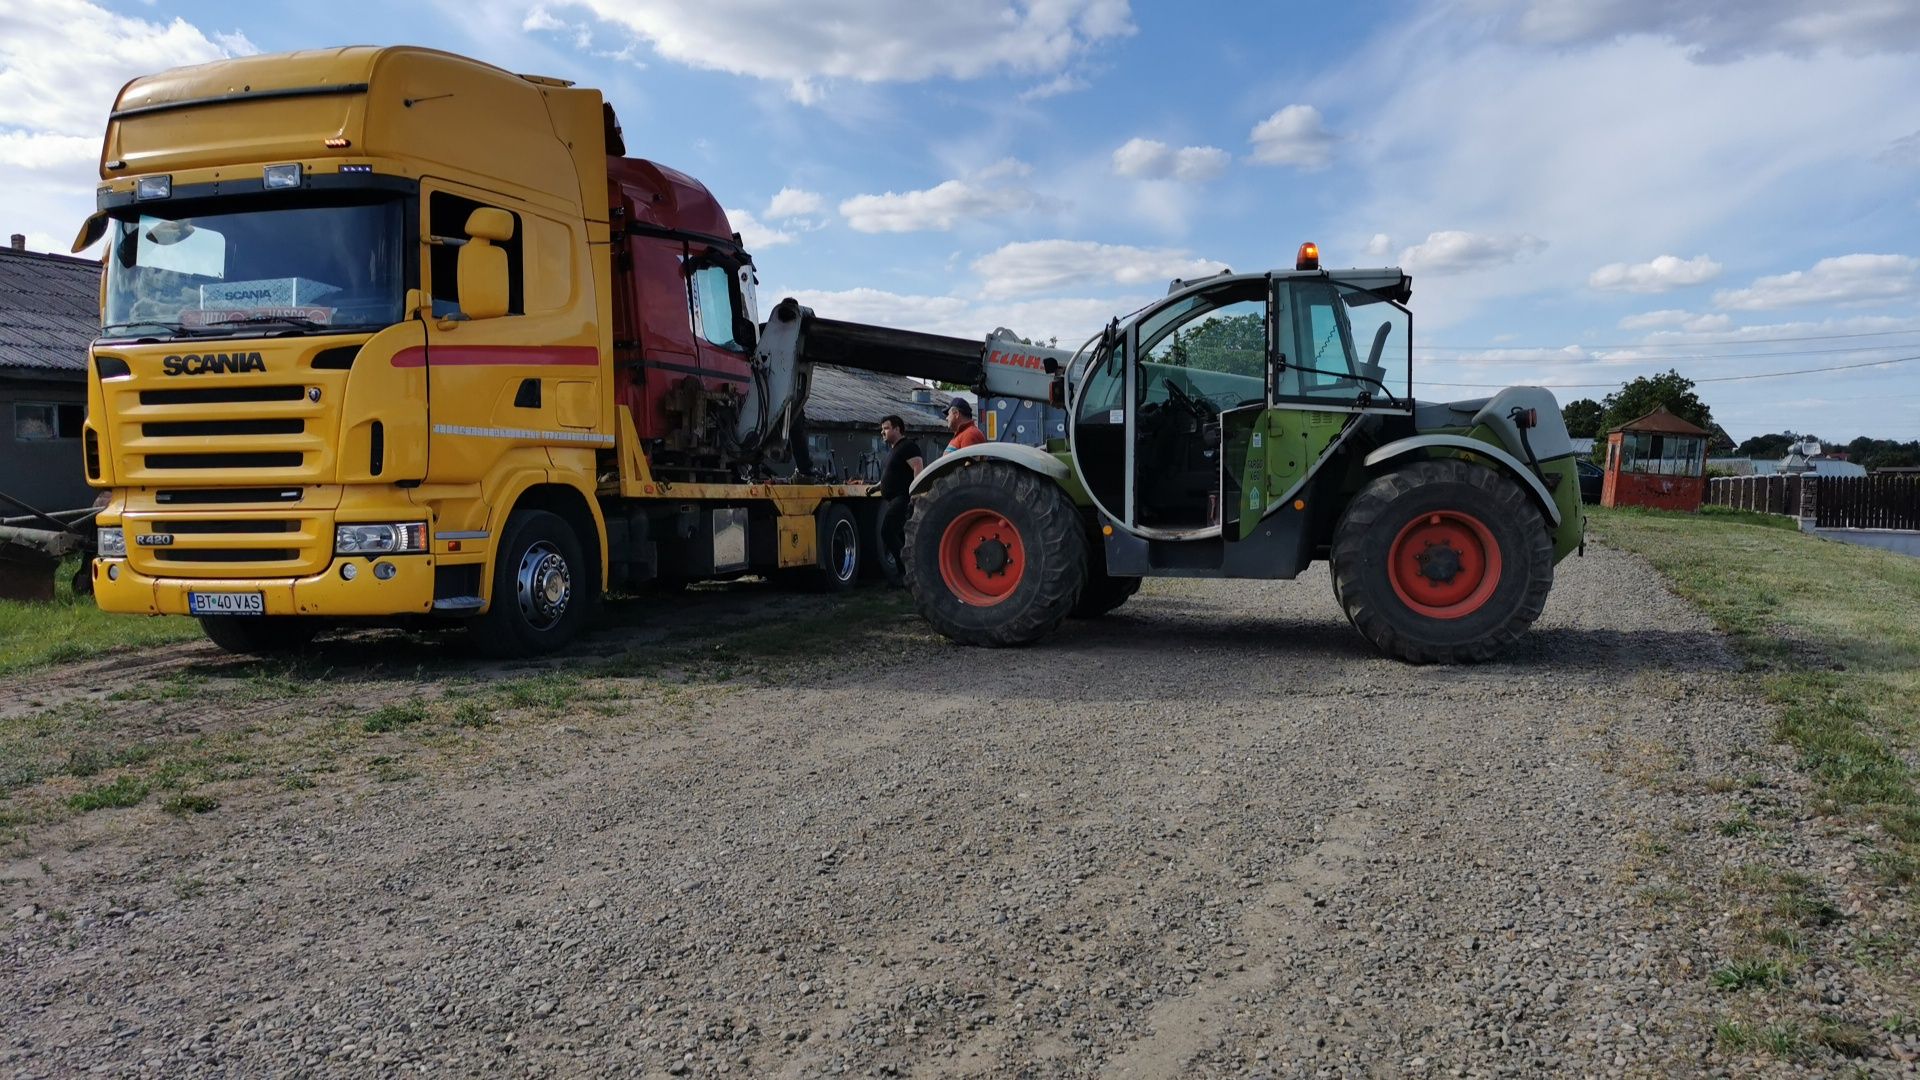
{"x":111,"y":542}
{"x":380,"y":539}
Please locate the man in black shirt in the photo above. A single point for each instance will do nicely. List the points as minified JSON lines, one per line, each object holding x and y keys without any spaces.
{"x":904,"y":462}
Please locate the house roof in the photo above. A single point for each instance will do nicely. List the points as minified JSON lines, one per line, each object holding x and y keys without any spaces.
{"x":1661,"y":421}
{"x":852,"y":398}
{"x":49,"y":312}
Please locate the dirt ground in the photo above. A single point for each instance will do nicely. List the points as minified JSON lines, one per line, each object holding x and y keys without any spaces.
{"x":757,"y":834}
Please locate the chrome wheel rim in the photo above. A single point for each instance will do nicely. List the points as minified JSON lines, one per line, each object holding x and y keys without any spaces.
{"x":543,"y":585}
{"x":844,"y":552}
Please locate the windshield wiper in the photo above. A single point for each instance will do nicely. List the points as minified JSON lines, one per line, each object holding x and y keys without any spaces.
{"x":169,"y":327}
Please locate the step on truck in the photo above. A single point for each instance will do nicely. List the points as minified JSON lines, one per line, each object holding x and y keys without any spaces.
{"x":394,"y":336}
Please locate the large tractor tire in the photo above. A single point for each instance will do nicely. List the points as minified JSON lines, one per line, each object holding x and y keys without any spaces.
{"x":995,"y":555}
{"x":1103,"y":593}
{"x":259,"y":635}
{"x":1442,"y":562}
{"x":542,"y":588}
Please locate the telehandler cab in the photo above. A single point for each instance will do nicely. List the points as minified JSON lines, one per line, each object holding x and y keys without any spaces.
{"x":1246,"y":426}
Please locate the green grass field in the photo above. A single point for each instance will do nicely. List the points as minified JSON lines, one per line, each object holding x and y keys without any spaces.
{"x":1828,"y":630}
{"x":72,"y":628}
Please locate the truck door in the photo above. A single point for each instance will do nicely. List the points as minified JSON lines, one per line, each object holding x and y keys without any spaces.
{"x":528,"y":376}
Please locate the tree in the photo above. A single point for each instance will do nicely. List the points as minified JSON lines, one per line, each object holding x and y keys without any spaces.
{"x":1583,"y":418}
{"x":1769,"y":446}
{"x":1649,"y":392}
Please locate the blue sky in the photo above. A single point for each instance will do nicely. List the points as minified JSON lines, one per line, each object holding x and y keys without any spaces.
{"x":1583,"y":190}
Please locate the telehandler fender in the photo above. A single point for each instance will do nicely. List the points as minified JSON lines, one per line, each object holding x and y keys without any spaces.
{"x":1031,"y":458}
{"x":1506,"y":462}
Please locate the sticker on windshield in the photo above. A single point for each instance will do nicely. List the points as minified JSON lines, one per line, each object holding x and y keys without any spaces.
{"x":1117,"y":416}
{"x":196,"y":317}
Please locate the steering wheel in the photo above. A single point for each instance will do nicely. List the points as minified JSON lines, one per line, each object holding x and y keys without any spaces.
{"x":1186,"y":401}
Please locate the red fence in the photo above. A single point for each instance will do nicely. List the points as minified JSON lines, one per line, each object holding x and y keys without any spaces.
{"x":1868,"y":502}
{"x":1833,"y":502}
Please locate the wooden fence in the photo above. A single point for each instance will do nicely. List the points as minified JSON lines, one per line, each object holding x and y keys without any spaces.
{"x":1868,"y":502}
{"x":1833,"y":502}
{"x":1792,"y":495}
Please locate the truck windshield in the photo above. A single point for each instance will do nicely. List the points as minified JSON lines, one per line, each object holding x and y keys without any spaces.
{"x":182,"y":272}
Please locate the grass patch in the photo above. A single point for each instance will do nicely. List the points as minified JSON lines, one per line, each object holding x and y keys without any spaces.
{"x":396,"y":715}
{"x":1750,"y":971}
{"x":473,"y":714}
{"x":123,"y":792}
{"x":1749,"y":517}
{"x":184,"y":804}
{"x":72,"y":628}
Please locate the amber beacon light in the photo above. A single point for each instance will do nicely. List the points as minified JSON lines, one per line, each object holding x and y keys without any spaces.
{"x":1309,"y":257}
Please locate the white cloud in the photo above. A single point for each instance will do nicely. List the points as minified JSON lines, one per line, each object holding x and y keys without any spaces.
{"x":539,"y":18}
{"x":44,"y":151}
{"x":988,"y":193}
{"x":1903,"y":151}
{"x":1038,"y":266}
{"x":803,"y":45}
{"x":1676,"y":319}
{"x":1454,"y":250}
{"x":1148,"y":159}
{"x":1664,"y":273}
{"x":793,"y":202}
{"x":1718,"y":33}
{"x":1064,"y":83}
{"x":1380,"y":245}
{"x":755,"y":234}
{"x":1846,"y":280}
{"x":1293,"y":136}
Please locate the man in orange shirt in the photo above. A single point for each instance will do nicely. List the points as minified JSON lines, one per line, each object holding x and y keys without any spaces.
{"x":960,"y":421}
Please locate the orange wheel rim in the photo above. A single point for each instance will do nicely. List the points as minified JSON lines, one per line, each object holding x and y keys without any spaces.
{"x":1444,"y":564}
{"x":982,"y":558}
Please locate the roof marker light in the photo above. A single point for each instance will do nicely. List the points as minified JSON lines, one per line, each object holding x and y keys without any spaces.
{"x":338,"y":143}
{"x":1309,"y":257}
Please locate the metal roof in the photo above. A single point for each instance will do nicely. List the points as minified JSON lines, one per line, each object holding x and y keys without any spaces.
{"x":845,"y":397}
{"x":49,"y":311}
{"x":1661,"y":422}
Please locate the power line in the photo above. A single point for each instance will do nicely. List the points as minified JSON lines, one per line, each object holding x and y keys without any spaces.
{"x":1647,"y":359}
{"x":1720,"y":379}
{"x":1682,"y":344}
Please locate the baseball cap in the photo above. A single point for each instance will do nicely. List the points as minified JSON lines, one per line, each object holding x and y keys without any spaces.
{"x":963,"y":405}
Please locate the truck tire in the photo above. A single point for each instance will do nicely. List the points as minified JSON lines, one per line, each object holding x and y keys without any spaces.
{"x":542,"y":589}
{"x":995,"y":555}
{"x":1103,"y":593}
{"x":1442,"y":562}
{"x":259,"y":635}
{"x":840,"y":552}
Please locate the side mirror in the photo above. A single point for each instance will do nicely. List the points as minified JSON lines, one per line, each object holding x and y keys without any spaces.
{"x":483,"y":266}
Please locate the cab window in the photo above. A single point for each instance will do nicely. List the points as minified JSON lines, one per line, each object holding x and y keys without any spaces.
{"x":447,"y":216}
{"x":713,"y":311}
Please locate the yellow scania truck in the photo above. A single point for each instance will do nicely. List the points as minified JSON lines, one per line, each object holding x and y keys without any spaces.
{"x":391,"y":333}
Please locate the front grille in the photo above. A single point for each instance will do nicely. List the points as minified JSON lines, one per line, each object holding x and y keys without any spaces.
{"x":258,"y":460}
{"x":242,"y":545}
{"x":213,"y":429}
{"x":226,"y":555}
{"x":222,"y":395}
{"x":219,"y":496}
{"x":190,"y":528}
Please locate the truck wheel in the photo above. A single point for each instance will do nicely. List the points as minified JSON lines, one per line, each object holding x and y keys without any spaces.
{"x":838,"y":538}
{"x":259,"y":635}
{"x":1442,"y":562}
{"x":1103,"y":593}
{"x":542,"y":588}
{"x":995,"y":555}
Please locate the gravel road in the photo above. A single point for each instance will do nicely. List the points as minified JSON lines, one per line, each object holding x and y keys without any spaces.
{"x":1209,"y":835}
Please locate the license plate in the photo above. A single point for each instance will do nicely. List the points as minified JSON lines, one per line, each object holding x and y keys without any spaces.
{"x":226,"y":603}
